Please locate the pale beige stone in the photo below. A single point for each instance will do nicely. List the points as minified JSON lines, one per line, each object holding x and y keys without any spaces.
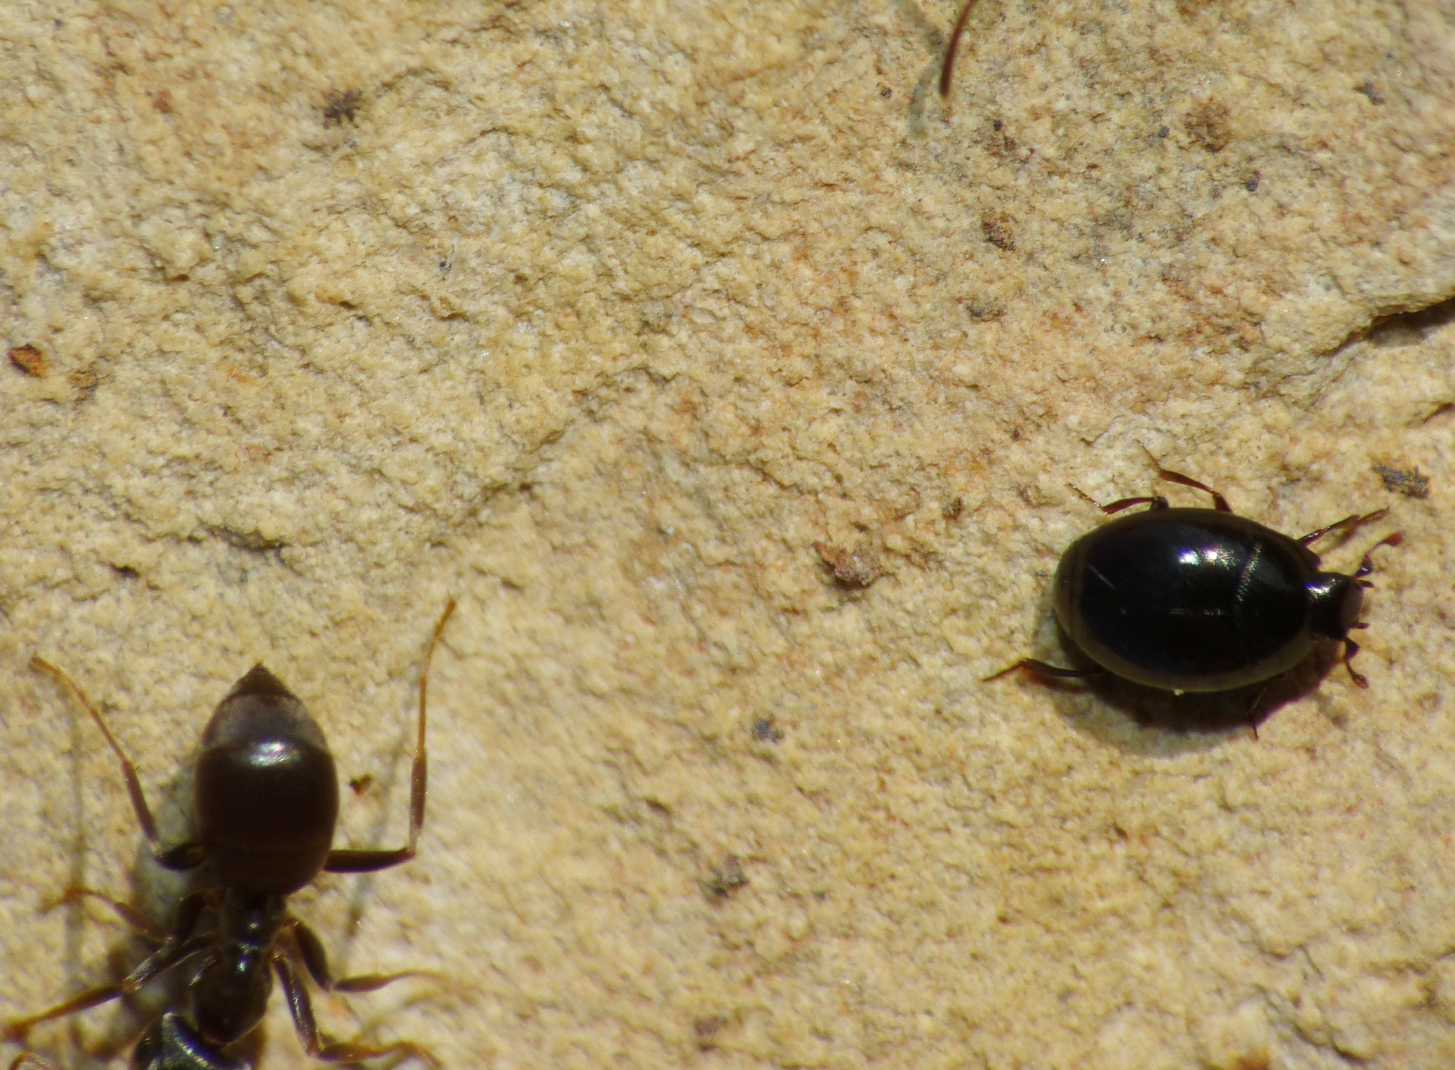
{"x":618,"y":322}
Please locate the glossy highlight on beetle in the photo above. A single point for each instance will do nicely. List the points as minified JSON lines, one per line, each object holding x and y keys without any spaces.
{"x":265,"y":802}
{"x":1202,"y":600}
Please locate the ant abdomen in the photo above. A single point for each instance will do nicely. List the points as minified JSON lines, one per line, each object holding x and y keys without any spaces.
{"x":266,"y":793}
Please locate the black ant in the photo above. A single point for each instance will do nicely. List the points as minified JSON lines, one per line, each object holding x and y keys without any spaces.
{"x":265,"y":799}
{"x":947,"y":69}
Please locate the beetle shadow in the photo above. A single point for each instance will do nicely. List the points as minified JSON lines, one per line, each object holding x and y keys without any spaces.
{"x":1154,"y":723}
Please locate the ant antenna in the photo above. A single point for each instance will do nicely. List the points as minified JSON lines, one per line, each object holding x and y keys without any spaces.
{"x":947,"y":72}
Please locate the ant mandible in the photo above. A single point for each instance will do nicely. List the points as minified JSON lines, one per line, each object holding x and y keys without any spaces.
{"x":266,"y":800}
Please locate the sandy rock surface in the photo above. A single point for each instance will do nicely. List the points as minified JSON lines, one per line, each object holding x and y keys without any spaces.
{"x":737,"y":386}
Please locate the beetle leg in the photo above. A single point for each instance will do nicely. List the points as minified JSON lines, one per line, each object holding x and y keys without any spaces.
{"x":1041,"y":668}
{"x":1219,"y":502}
{"x":1156,"y":501}
{"x":1350,"y":522}
{"x":1350,"y":649}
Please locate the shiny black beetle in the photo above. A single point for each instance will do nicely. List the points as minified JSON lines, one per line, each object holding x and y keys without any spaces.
{"x":266,"y":800}
{"x":1201,"y":600}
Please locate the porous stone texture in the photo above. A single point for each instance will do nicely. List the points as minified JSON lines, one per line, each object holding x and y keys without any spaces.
{"x":737,"y":386}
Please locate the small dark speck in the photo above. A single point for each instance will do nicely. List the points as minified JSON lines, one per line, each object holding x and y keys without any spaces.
{"x":1163,"y":131}
{"x":341,"y":107}
{"x":1209,"y":124}
{"x":1410,"y":482}
{"x":885,"y":92}
{"x":1367,"y":88}
{"x":998,"y":231}
{"x":1252,"y":181}
{"x":361,"y":784}
{"x":953,"y":509}
{"x":30,"y":360}
{"x":766,"y":731}
{"x":126,"y":572}
{"x":857,"y":568}
{"x":998,"y":125}
{"x":706,"y":1029}
{"x":726,"y":879}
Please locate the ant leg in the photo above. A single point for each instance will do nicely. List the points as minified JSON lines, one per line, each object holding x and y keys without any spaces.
{"x":322,"y":1047}
{"x":1219,"y":502}
{"x":175,"y":948}
{"x":1349,"y":523}
{"x":368,"y":861}
{"x":133,"y":785}
{"x":75,"y":893}
{"x":947,"y":71}
{"x":315,"y":960}
{"x":17,"y":1030}
{"x":183,"y":856}
{"x":179,"y":944}
{"x":1042,"y":668}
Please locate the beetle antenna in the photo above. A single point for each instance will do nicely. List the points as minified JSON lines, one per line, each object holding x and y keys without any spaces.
{"x":1366,"y":566}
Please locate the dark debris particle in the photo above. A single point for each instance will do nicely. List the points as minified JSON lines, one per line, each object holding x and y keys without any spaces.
{"x":982,"y":311}
{"x":726,"y":879}
{"x":1253,"y":181}
{"x":765,"y":730}
{"x":706,"y":1029}
{"x":1410,"y":482}
{"x":341,"y":107}
{"x":30,"y":360}
{"x":998,"y":231}
{"x":953,"y":509}
{"x":857,"y":568}
{"x":85,"y":381}
{"x":361,"y":784}
{"x":1369,"y":90}
{"x":1209,"y":126}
